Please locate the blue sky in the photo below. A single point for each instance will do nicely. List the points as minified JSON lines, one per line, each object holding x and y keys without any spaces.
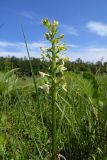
{"x":83,"y":22}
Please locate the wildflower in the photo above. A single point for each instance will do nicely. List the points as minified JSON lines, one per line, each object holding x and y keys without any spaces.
{"x":61,"y":47}
{"x":46,"y":23}
{"x":61,"y":68}
{"x":42,"y":74}
{"x":42,"y":49}
{"x":43,"y":55}
{"x":60,"y":156}
{"x":45,"y":87}
{"x":61,"y":36}
{"x":63,"y":58}
{"x":47,"y":36}
{"x":55,"y":23}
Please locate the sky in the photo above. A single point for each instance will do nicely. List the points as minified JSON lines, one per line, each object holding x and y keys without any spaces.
{"x":83,"y":22}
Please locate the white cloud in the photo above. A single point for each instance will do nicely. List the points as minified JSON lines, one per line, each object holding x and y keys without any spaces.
{"x":91,"y":54}
{"x":72,"y":45}
{"x":30,"y":16}
{"x":69,"y":29}
{"x":98,"y":28}
{"x":18,"y":49}
{"x":27,"y":14}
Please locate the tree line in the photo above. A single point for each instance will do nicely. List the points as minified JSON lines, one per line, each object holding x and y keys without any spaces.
{"x":8,"y":63}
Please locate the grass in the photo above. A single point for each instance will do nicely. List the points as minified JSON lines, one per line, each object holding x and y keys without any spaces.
{"x":81,"y":121}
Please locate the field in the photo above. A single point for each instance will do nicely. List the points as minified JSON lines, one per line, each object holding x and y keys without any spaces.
{"x":25,"y":121}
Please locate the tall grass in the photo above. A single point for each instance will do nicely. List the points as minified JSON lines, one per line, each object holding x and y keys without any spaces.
{"x":81,"y":121}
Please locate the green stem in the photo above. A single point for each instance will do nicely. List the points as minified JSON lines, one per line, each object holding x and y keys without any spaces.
{"x":53,"y":103}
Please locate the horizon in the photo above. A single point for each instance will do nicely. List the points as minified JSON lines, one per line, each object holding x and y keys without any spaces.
{"x":83,"y":23}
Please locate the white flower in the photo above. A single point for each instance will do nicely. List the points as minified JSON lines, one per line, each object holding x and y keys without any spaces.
{"x":55,"y":23}
{"x":64,"y":58}
{"x":60,"y":156}
{"x":43,"y":49}
{"x":61,"y":68}
{"x":42,"y":74}
{"x":45,"y":87}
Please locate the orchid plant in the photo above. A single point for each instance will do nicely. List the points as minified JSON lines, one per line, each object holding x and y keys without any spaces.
{"x":55,"y":56}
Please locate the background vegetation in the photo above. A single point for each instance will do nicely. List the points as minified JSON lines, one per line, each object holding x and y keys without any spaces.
{"x":7,"y":63}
